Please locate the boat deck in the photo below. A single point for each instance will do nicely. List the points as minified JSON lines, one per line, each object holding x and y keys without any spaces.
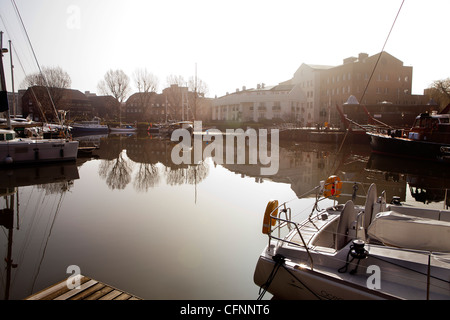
{"x":310,"y":228}
{"x":89,"y":290}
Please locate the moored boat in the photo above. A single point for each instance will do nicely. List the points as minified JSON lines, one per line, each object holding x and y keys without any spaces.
{"x":429,"y":138}
{"x":34,"y":150}
{"x":92,"y":126}
{"x":123,"y":129}
{"x":347,"y":251}
{"x":14,"y":150}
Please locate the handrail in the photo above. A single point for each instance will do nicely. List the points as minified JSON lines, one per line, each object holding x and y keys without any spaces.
{"x":288,"y":222}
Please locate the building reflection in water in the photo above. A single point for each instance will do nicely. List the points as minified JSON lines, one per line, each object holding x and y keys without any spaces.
{"x":145,"y":162}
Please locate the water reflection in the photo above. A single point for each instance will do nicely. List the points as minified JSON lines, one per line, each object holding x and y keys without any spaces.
{"x":427,"y":182}
{"x":124,"y":213}
{"x":27,"y":217}
{"x":145,"y":162}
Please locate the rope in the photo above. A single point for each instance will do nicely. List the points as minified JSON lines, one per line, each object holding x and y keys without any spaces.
{"x":35,"y":58}
{"x":279,"y":262}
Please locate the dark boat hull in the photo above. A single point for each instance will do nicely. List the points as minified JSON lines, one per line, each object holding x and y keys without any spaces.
{"x":385,"y":144}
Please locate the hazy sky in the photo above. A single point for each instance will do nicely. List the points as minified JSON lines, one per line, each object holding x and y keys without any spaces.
{"x":233,"y":43}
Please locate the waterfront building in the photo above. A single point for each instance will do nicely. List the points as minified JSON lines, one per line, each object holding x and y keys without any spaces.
{"x":37,"y":103}
{"x":284,"y":102}
{"x":174,"y":103}
{"x":311,"y":95}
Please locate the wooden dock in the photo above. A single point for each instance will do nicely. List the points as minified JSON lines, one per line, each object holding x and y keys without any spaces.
{"x":89,"y":290}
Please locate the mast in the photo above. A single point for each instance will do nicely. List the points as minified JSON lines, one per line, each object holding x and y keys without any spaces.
{"x":195,"y":93}
{"x":12,"y":80}
{"x":3,"y":91}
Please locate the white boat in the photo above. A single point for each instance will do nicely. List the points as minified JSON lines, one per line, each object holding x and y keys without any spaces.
{"x":15,"y":150}
{"x":34,"y":150}
{"x":348,"y":251}
{"x":91,"y":126}
{"x":123,"y":129}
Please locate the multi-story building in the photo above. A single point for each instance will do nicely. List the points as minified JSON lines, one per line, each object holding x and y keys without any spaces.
{"x":313,"y":92}
{"x":37,"y":103}
{"x":373,"y":80}
{"x":281,"y":102}
{"x":174,"y":103}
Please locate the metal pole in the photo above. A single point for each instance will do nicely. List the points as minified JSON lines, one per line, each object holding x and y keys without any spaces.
{"x":12,"y":79}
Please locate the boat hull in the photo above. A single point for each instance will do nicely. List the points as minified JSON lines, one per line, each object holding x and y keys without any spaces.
{"x":385,"y":144}
{"x":25,"y":151}
{"x":122,"y":130}
{"x":292,"y":283}
{"x":80,"y":129}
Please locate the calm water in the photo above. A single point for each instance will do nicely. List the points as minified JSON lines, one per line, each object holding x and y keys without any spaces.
{"x":132,"y":219}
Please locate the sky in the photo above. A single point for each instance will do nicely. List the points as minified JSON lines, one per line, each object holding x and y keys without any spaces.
{"x":227,"y":44}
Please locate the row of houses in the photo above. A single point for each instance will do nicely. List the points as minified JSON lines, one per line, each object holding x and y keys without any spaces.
{"x":311,"y":95}
{"x":174,"y":103}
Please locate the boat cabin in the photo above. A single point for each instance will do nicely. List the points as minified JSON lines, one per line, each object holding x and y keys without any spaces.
{"x":7,"y":135}
{"x":432,"y":121}
{"x":432,"y":127}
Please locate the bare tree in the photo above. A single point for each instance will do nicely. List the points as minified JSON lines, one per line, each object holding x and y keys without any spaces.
{"x":198,"y":89}
{"x":145,"y":81}
{"x":147,"y":84}
{"x":198,"y":86}
{"x":176,"y":95}
{"x":178,"y":80}
{"x":115,"y":83}
{"x":53,"y":77}
{"x":47,"y":88}
{"x":440,"y":91}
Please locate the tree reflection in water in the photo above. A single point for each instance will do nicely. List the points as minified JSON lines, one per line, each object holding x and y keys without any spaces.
{"x":147,"y":176}
{"x":190,"y":174}
{"x":117,"y":172}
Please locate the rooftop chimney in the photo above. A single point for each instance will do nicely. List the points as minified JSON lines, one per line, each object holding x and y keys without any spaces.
{"x":362,"y":57}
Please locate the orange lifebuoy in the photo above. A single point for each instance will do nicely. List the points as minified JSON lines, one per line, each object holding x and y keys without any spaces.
{"x":333,"y":186}
{"x":271,"y":210}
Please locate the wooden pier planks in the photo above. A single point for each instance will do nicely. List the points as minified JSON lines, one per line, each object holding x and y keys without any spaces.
{"x":89,"y":290}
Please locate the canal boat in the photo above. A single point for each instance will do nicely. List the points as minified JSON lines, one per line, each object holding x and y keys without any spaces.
{"x":376,"y":250}
{"x":428,"y":138}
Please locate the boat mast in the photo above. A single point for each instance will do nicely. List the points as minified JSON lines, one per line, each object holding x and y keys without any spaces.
{"x":3,"y":91}
{"x":12,"y":80}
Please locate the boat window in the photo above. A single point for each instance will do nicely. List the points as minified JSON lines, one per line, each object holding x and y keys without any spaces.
{"x":444,"y":120}
{"x":6,"y":136}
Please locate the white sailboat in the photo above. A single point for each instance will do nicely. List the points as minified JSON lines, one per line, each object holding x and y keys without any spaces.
{"x":349,"y":252}
{"x":14,"y":150}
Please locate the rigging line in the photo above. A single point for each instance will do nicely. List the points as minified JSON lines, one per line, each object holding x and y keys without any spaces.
{"x":48,"y":238}
{"x":373,"y":70}
{"x":23,"y":70}
{"x":382,"y":50}
{"x":35,"y":58}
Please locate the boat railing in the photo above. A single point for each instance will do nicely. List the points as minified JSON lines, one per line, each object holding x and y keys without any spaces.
{"x":287,"y":222}
{"x":277,"y":223}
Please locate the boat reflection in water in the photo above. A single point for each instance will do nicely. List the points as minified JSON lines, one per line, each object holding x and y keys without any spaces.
{"x":26,"y":221}
{"x":427,"y":182}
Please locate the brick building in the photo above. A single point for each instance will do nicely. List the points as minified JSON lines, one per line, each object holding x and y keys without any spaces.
{"x":37,"y":103}
{"x":311,"y":95}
